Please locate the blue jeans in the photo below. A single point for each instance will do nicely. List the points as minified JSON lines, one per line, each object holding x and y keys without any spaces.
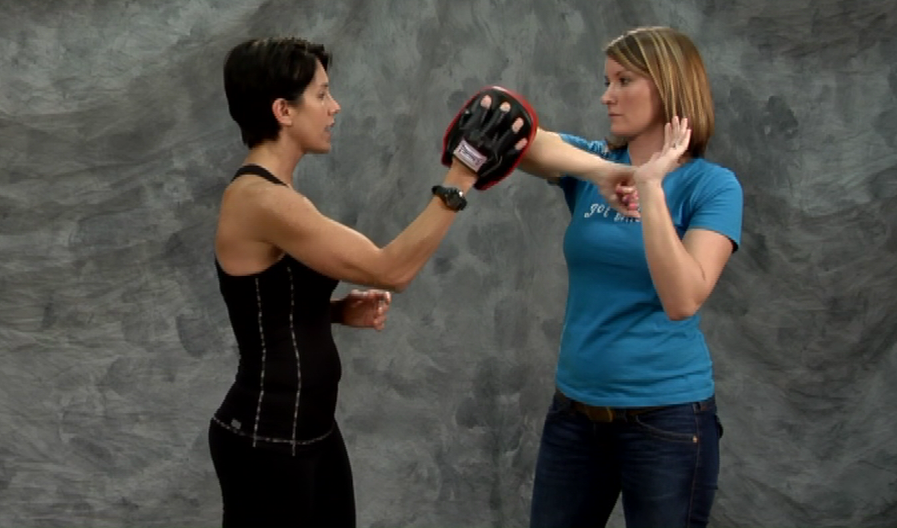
{"x":665,"y":462}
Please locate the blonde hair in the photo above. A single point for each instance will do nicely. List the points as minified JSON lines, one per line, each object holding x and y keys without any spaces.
{"x":672,"y":61}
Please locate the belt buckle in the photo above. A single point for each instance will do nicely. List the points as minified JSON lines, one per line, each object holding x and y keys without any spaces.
{"x":599,"y":414}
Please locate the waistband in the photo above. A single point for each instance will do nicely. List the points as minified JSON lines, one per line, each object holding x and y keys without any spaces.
{"x":601,"y":414}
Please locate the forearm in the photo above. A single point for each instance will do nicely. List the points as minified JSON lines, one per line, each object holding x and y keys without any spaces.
{"x":550,"y":156}
{"x":407,"y":254}
{"x":677,"y":276}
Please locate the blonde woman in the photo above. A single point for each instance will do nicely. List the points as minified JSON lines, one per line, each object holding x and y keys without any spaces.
{"x":634,"y":412}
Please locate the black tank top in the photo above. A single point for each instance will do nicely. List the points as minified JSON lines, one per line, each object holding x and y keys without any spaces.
{"x":285,"y":390}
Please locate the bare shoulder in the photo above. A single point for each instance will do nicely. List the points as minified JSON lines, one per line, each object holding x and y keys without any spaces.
{"x":262,"y":221}
{"x":260,"y":205}
{"x":254,"y":218}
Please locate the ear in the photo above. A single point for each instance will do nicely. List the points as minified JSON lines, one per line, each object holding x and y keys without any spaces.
{"x":282,"y":111}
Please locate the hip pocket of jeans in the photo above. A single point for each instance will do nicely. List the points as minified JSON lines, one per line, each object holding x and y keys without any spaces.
{"x":668,"y":424}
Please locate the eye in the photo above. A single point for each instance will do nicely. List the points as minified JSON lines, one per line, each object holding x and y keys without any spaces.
{"x":624,"y":80}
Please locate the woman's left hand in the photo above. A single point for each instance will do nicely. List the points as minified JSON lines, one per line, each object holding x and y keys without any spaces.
{"x":676,"y":136}
{"x":366,"y":309}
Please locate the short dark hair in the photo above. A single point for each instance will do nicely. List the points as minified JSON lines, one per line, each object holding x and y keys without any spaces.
{"x":257,"y":72}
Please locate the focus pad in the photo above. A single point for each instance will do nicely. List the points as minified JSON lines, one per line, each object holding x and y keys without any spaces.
{"x":482,"y":138}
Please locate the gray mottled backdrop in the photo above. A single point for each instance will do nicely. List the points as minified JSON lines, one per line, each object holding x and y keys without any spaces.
{"x":115,"y":144}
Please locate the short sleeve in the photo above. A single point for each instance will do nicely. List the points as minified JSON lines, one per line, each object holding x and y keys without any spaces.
{"x":719,"y":206}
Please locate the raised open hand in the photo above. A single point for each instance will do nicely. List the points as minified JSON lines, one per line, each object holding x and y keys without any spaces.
{"x":676,"y":137}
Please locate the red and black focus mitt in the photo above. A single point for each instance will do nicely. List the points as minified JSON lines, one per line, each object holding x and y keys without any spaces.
{"x":481,"y":137}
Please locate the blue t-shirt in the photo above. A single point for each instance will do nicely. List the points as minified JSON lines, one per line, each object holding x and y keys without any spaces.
{"x":618,"y":346}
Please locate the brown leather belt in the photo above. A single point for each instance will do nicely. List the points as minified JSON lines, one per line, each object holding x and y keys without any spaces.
{"x":602,"y":414}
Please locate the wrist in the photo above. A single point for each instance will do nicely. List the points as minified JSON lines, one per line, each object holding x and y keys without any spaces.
{"x":650,"y":186}
{"x":460,"y":177}
{"x":609,"y":169}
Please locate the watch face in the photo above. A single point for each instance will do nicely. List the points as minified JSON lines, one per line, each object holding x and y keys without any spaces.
{"x":452,"y":197}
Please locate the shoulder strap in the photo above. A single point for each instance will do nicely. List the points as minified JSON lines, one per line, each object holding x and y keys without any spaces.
{"x":258,"y":171}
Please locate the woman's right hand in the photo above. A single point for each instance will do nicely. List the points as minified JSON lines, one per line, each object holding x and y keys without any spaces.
{"x":616,"y":183}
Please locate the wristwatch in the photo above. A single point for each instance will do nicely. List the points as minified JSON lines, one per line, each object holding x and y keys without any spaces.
{"x":453,"y":198}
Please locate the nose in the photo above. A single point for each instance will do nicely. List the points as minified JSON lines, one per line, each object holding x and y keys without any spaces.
{"x":335,"y":108}
{"x":606,"y":98}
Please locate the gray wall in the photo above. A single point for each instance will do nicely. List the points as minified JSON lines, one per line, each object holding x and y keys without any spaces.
{"x":115,"y":144}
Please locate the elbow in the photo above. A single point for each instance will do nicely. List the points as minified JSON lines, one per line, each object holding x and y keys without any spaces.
{"x":679,"y":315}
{"x":402,"y":282}
{"x":383,"y":273}
{"x":682,"y":303}
{"x":395,"y":281}
{"x":398,"y":287}
{"x":392,"y":284}
{"x":681,"y":311}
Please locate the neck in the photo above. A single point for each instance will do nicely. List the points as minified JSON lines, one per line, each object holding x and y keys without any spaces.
{"x":278,"y":157}
{"x":644,"y":145}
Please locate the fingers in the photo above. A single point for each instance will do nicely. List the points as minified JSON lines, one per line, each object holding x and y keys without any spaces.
{"x":492,"y":120}
{"x":480,"y":118}
{"x":379,"y":295}
{"x":624,"y":205}
{"x":495,"y":121}
{"x":622,"y":197}
{"x":515,"y":127}
{"x":383,"y":297}
{"x":628,"y":202}
{"x":675,"y":132}
{"x":628,"y":196}
{"x":375,"y":312}
{"x":379,"y":322}
{"x":677,"y":135}
{"x":384,"y":301}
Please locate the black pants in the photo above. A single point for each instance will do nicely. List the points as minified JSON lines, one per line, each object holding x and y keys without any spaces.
{"x":262,"y":488}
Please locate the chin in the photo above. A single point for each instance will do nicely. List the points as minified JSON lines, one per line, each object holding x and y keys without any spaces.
{"x":619,"y":131}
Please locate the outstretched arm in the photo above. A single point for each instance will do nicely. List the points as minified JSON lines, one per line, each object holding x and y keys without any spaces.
{"x":285,"y":219}
{"x":279,"y":217}
{"x":549,"y":157}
